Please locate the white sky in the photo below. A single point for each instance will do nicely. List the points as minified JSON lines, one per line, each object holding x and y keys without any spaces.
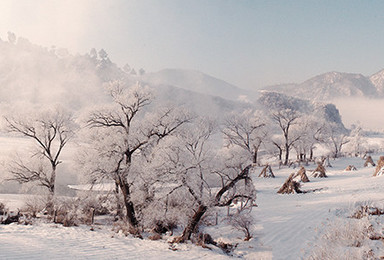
{"x":247,"y":43}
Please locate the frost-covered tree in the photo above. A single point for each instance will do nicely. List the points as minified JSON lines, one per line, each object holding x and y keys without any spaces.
{"x":50,"y":130}
{"x":285,"y":119}
{"x":311,"y":131}
{"x":204,"y":179}
{"x":337,"y":138}
{"x":247,"y":131}
{"x":121,"y":135}
{"x":357,"y":142}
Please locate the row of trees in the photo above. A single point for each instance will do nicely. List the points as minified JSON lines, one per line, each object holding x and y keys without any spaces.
{"x":165,"y":162}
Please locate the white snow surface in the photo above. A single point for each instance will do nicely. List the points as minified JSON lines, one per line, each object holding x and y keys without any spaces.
{"x":286,"y":226}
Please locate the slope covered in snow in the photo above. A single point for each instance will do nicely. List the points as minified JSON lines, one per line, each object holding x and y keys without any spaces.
{"x":329,"y":86}
{"x":377,"y":80}
{"x":198,"y":82}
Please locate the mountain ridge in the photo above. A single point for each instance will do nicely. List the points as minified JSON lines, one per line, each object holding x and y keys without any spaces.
{"x":197,"y":81}
{"x":332,"y":85}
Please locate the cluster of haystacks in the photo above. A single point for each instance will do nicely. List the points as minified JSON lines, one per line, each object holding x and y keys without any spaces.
{"x":380,"y":167}
{"x":267,"y":172}
{"x":350,"y":168}
{"x":369,"y":162}
{"x":319,"y":172}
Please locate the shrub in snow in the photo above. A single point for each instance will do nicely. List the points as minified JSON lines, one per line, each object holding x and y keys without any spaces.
{"x":338,"y":241}
{"x":99,"y":204}
{"x":123,"y":228}
{"x":367,"y":210}
{"x":242,"y":220}
{"x":67,"y":212}
{"x":380,"y":167}
{"x":34,"y":205}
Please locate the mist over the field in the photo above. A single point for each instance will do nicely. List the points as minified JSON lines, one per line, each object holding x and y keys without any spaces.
{"x":363,"y":111}
{"x":177,"y":129}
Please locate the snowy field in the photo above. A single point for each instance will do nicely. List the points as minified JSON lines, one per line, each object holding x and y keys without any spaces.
{"x":286,"y":226}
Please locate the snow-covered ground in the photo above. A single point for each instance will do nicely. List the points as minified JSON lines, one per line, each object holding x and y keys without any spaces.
{"x":292,"y":223}
{"x":286,"y":227}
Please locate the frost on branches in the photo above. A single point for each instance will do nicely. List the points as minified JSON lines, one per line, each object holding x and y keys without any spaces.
{"x":122,"y":134}
{"x":201,"y":176}
{"x":50,"y":130}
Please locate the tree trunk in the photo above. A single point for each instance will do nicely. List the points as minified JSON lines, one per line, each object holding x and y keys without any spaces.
{"x":254,"y":159}
{"x":51,"y":189}
{"x":50,"y":204}
{"x":280,"y":154}
{"x":286,"y":154}
{"x":119,"y":213}
{"x":192,"y":223}
{"x":131,"y":216}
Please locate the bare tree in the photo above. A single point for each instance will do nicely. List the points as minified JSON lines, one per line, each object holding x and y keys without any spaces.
{"x":337,"y":138}
{"x":50,"y":130}
{"x":228,"y":193}
{"x":242,"y":220}
{"x":246,"y":131}
{"x":311,"y":131}
{"x":203,"y":182}
{"x":126,"y":134}
{"x":285,"y":119}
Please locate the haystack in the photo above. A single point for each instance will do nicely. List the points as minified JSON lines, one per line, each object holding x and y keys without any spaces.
{"x":290,"y":186}
{"x":302,"y":175}
{"x":267,"y":172}
{"x":380,"y":167}
{"x":350,"y":168}
{"x":369,"y":162}
{"x":319,"y":172}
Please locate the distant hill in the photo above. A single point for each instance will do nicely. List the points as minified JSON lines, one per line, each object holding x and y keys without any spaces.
{"x":31,"y":74}
{"x":198,"y":82}
{"x":333,"y":85}
{"x":377,"y":80}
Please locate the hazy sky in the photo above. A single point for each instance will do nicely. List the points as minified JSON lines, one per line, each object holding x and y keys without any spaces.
{"x":247,"y":43}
